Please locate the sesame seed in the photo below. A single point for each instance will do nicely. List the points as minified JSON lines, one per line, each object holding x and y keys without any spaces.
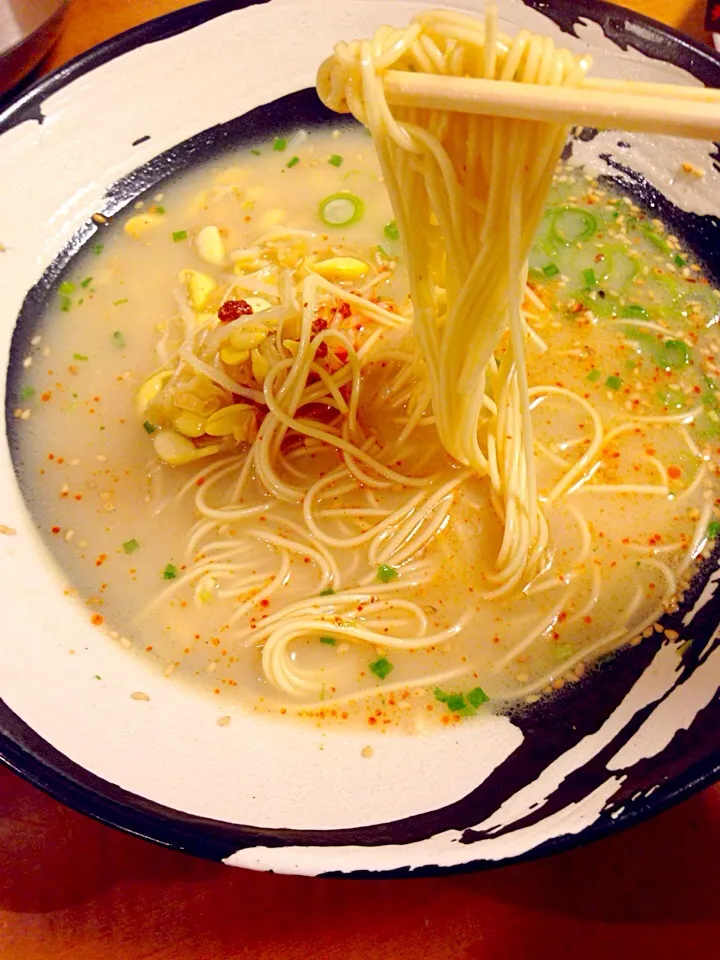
{"x":366,"y":752}
{"x":223,"y":721}
{"x":27,"y":362}
{"x":139,"y":695}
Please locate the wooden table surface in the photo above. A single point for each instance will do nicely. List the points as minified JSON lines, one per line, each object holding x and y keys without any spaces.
{"x":71,"y":889}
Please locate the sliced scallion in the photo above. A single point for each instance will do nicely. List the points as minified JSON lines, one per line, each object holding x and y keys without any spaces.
{"x":179,"y":235}
{"x":477,"y":696}
{"x":118,"y":339}
{"x":391,"y":230}
{"x":293,"y":161}
{"x":386,"y":573}
{"x":335,"y":160}
{"x":341,"y":209}
{"x":572,"y":225}
{"x":381,"y":668}
{"x":130,"y":546}
{"x":279,"y":143}
{"x":170,"y":572}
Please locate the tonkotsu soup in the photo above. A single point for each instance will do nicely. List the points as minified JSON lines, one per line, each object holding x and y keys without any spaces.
{"x":225,"y":434}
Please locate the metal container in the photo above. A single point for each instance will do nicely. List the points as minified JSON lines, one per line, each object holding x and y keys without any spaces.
{"x":28,"y":29}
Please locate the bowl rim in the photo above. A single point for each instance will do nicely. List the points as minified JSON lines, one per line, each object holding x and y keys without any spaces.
{"x":35,"y":760}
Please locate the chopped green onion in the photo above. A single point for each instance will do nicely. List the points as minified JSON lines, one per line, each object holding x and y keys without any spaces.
{"x":589,"y":278}
{"x":613,"y":382}
{"x":330,"y":641}
{"x":477,"y":696}
{"x":97,"y":248}
{"x":382,"y":252}
{"x":130,"y":546}
{"x":170,"y":572}
{"x":149,"y":427}
{"x":117,"y":303}
{"x":118,"y":339}
{"x":327,"y":592}
{"x":572,"y":225}
{"x":335,"y":160}
{"x":80,"y":356}
{"x":254,"y":152}
{"x":293,"y":161}
{"x":385,"y":573}
{"x":674,"y":354}
{"x":157,"y":209}
{"x":27,"y":392}
{"x":391,"y":230}
{"x":655,"y":239}
{"x":65,"y":303}
{"x":341,"y":209}
{"x":679,"y":261}
{"x":279,"y":143}
{"x":594,"y":375}
{"x":455,"y":702}
{"x":67,"y":287}
{"x":179,"y":235}
{"x":713,"y":530}
{"x":86,"y":282}
{"x":381,"y":668}
{"x":551,"y":270}
{"x":634,"y":310}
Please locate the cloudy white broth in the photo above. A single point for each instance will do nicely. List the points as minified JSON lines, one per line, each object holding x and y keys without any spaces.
{"x":258,"y":555}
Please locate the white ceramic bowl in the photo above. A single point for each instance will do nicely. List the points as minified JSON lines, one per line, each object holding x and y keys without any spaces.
{"x":642,"y":732}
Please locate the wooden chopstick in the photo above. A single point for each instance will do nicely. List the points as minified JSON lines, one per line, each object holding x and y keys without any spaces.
{"x":673,"y":91}
{"x":654,"y":108}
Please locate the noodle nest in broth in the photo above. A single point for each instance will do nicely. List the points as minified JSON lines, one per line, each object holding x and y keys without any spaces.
{"x":407,"y":466}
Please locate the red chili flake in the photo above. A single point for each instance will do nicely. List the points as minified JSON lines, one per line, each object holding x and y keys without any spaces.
{"x":232,"y":309}
{"x":319,"y":324}
{"x":265,"y":602}
{"x":55,"y":530}
{"x":344,"y":309}
{"x":97,"y":620}
{"x":51,"y":456}
{"x":200,"y":481}
{"x":45,"y":396}
{"x":587,"y":619}
{"x":372,"y":720}
{"x":674,"y":473}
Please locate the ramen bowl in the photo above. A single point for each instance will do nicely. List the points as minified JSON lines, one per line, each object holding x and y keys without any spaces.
{"x":98,"y":728}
